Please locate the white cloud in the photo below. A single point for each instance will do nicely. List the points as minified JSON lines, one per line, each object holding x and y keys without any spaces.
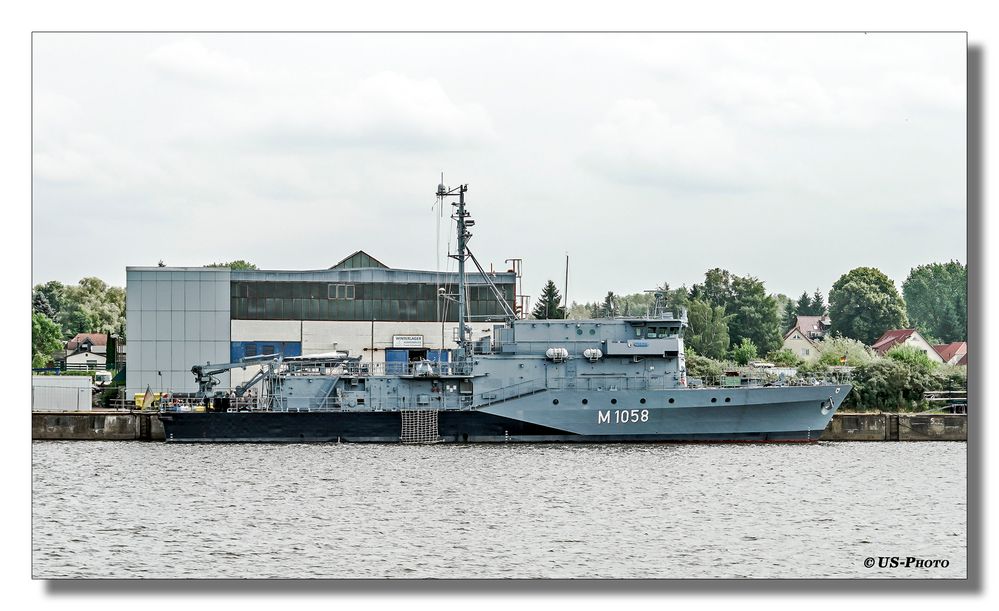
{"x":637,"y":141}
{"x":790,"y":81}
{"x":193,"y":61}
{"x":386,"y":109}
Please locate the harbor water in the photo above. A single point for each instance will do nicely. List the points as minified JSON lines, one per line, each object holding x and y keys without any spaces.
{"x":131,"y":509}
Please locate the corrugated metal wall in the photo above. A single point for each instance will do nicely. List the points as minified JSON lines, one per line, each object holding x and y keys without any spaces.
{"x":60,"y":393}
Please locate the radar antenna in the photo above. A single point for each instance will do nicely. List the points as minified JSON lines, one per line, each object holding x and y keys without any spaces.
{"x":658,"y":309}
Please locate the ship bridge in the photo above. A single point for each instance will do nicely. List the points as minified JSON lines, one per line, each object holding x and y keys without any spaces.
{"x":633,"y":336}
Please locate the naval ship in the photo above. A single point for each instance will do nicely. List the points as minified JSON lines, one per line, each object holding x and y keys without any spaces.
{"x":620,"y":379}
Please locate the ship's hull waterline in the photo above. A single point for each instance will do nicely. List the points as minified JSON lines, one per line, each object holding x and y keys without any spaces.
{"x":760,"y":414}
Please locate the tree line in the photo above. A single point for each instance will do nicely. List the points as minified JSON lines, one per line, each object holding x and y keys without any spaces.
{"x":734,"y":317}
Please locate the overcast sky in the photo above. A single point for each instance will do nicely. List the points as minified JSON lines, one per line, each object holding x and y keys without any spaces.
{"x":647,"y":158}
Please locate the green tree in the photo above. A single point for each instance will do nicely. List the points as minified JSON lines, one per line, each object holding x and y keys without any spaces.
{"x":891,"y":385}
{"x":950,"y":377}
{"x":707,"y":331}
{"x":844,"y":351}
{"x":912,"y":356}
{"x":790,"y":315}
{"x":716,"y":289}
{"x":111,"y":354}
{"x":783,"y":358}
{"x":702,"y":367}
{"x":744,"y":352}
{"x":818,"y":305}
{"x":578,"y":311}
{"x":54,"y":292}
{"x":936,"y":299}
{"x":237,"y":264}
{"x":46,"y":338}
{"x":754,"y":315}
{"x":635,"y":304}
{"x":864,"y":303}
{"x":608,"y":309}
{"x":40,"y":304}
{"x":548,"y":306}
{"x":93,"y":307}
{"x":803,"y":306}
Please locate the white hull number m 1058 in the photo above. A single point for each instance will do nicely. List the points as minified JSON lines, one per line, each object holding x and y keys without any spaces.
{"x":622,"y":416}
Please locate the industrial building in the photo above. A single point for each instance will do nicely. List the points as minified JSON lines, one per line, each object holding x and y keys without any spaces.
{"x":177,"y":317}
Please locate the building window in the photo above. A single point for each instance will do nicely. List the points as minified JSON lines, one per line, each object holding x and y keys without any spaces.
{"x":340,"y":291}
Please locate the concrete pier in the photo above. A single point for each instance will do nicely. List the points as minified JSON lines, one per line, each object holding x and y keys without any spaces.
{"x":97,"y":425}
{"x":137,"y":425}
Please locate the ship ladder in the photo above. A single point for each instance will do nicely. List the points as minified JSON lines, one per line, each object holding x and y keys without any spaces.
{"x":420,"y":426}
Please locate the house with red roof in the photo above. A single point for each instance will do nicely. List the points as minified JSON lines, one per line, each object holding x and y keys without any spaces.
{"x":953,"y":352}
{"x":86,"y":351}
{"x":904,"y":337}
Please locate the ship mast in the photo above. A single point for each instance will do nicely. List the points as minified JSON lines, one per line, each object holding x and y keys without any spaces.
{"x":461,"y":216}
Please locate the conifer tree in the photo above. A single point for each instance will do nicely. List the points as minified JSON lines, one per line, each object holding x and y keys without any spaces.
{"x":548,"y":306}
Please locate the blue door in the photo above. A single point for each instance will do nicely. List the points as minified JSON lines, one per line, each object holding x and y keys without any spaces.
{"x":396,"y":361}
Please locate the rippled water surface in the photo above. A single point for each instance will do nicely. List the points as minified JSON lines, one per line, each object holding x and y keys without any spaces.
{"x":139,"y":509}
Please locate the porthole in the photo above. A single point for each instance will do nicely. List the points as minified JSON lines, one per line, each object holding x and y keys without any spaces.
{"x":613,"y":401}
{"x":579,"y":331}
{"x":728,"y":399}
{"x":554,"y":401}
{"x":642,"y":401}
{"x":714,"y":399}
{"x":671,"y":399}
{"x":594,"y":332}
{"x":585,"y":401}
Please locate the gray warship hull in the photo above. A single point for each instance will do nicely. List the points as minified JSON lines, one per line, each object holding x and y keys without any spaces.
{"x":754,"y":414}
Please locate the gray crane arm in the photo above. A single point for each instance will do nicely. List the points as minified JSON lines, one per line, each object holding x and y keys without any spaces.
{"x":203,"y":374}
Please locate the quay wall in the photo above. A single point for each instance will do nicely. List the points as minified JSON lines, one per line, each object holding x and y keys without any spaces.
{"x":97,"y":426}
{"x":137,"y":425}
{"x":897,"y":427}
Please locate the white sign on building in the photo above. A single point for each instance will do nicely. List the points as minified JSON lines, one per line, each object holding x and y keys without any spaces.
{"x":407,"y":341}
